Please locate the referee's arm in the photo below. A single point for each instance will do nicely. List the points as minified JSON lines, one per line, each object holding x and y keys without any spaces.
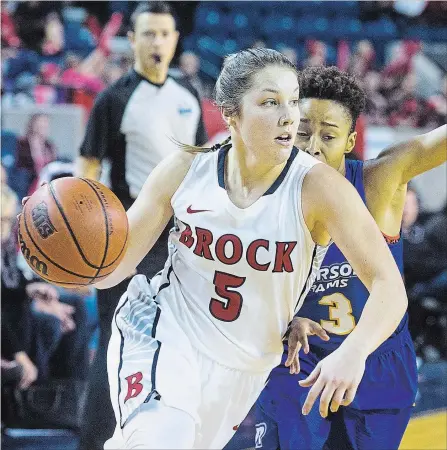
{"x":97,"y":141}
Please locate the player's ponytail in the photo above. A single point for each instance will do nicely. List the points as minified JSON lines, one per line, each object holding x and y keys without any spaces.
{"x":197,"y":149}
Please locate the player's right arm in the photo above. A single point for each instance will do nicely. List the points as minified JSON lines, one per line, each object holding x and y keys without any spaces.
{"x":149,"y":214}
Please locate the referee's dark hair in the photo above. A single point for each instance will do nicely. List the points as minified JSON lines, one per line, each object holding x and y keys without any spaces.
{"x":330,"y":83}
{"x":154,"y":8}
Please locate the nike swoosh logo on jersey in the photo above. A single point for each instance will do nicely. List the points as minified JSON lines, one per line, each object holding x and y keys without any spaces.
{"x":193,"y":211}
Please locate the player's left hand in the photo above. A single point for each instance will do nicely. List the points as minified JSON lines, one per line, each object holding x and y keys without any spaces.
{"x":336,"y":378}
{"x":300,"y":328}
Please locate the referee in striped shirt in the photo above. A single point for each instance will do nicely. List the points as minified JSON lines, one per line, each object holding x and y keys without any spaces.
{"x":130,"y":129}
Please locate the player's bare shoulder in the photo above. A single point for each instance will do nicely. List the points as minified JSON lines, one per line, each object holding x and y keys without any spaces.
{"x":178,"y":164}
{"x":167,"y":176}
{"x":324,"y":190}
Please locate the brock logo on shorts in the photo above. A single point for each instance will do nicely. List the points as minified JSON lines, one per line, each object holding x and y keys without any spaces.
{"x":41,"y":220}
{"x":134,"y":386}
{"x":261,"y":429}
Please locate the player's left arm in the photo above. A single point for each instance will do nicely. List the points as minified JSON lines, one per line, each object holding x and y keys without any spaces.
{"x":331,"y":203}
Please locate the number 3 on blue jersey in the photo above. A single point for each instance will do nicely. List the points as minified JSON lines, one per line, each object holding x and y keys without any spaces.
{"x":341,"y":321}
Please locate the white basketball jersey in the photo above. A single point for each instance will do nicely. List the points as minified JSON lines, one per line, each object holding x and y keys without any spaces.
{"x":236,"y":277}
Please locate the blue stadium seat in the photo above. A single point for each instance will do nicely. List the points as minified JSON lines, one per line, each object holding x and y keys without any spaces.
{"x":331,"y":56}
{"x":208,"y":18}
{"x":345,"y":28}
{"x":439,"y":34}
{"x":189,"y":43}
{"x":324,"y":8}
{"x":312,"y":27}
{"x":302,"y":8}
{"x":241,"y":21}
{"x":278,"y":23}
{"x":9,"y":148}
{"x":426,"y":33}
{"x":78,"y":39}
{"x":247,"y":7}
{"x":343,"y":8}
{"x":381,"y":29}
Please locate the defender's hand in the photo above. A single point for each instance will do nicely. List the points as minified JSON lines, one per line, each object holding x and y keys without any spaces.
{"x":300,"y":328}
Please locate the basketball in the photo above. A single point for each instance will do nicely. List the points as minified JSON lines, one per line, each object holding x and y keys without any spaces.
{"x":73,"y":232}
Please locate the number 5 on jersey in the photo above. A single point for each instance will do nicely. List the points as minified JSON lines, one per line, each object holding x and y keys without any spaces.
{"x":227,"y":310}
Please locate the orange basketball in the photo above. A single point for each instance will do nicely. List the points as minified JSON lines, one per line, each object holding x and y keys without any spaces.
{"x":73,"y":231}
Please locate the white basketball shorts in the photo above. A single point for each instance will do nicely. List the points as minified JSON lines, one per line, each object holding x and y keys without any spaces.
{"x":150,"y":359}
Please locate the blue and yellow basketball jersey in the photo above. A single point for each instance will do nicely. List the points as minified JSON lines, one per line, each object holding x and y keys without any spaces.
{"x":382,"y":406}
{"x":337,"y":297}
{"x":336,"y":301}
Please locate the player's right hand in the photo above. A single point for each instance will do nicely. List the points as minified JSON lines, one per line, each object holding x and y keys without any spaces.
{"x":300,"y":328}
{"x":336,"y":378}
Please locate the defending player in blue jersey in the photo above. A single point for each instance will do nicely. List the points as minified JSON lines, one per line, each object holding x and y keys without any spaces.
{"x":331,"y":102}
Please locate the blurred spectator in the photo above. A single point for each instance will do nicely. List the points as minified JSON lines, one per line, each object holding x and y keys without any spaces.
{"x":401,"y":63}
{"x":423,"y":242}
{"x":376,"y":103}
{"x":437,"y":106}
{"x":53,"y":40}
{"x":87,"y":73}
{"x":425,"y":269}
{"x":20,"y":73}
{"x":317,"y":54}
{"x":43,"y":332}
{"x":16,"y":362}
{"x":411,"y":230}
{"x":115,"y":70}
{"x":190,"y":66}
{"x":214,"y":123}
{"x":8,"y":30}
{"x":31,"y":21}
{"x":405,"y":108}
{"x":83,"y":74}
{"x":47,"y":90}
{"x":35,"y":150}
{"x":362,"y":61}
{"x":44,"y":70}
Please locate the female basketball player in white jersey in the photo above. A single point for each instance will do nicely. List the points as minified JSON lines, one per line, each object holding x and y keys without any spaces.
{"x":191,"y":349}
